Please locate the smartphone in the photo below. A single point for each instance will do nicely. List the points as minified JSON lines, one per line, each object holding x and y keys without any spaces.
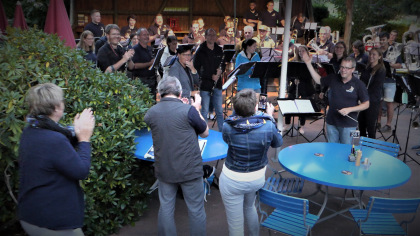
{"x":262,"y":103}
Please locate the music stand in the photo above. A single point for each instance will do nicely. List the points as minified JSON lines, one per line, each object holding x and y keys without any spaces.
{"x":156,"y":62}
{"x":271,"y":53}
{"x":297,"y":107}
{"x":412,"y":88}
{"x":228,"y":47}
{"x":240,"y":70}
{"x":264,"y":70}
{"x":300,"y":70}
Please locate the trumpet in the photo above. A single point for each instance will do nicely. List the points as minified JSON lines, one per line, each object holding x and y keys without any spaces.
{"x":294,"y":34}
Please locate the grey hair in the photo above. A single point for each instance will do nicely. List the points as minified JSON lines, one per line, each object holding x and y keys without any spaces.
{"x":169,"y":85}
{"x":249,"y":27}
{"x":352,"y":60}
{"x":42,"y":99}
{"x":140,"y":30}
{"x":109,"y":27}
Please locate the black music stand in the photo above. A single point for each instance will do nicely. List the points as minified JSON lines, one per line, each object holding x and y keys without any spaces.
{"x":411,"y":85}
{"x":156,"y":62}
{"x":231,"y":78}
{"x":297,"y":107}
{"x":264,"y":70}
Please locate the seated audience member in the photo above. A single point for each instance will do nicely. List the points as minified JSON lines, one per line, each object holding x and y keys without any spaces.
{"x":131,"y":21}
{"x":252,"y":16}
{"x":170,"y":50}
{"x":340,"y":52}
{"x":175,"y":128}
{"x":86,"y":44}
{"x":111,"y":56}
{"x":359,"y":52}
{"x":184,"y":70}
{"x":157,"y":30}
{"x":193,"y":37}
{"x":249,"y":134}
{"x":347,"y":96}
{"x":95,"y":26}
{"x":52,"y":161}
{"x":143,"y":60}
{"x":229,"y":38}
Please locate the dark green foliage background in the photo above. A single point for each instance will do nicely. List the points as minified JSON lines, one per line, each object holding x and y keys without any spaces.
{"x":115,"y":190}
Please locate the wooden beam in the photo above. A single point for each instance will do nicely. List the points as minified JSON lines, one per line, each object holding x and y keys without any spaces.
{"x":221,"y":8}
{"x":115,"y":12}
{"x":162,"y":7}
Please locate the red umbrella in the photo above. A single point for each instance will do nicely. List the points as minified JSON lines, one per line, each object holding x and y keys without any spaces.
{"x":19,"y":21}
{"x":3,"y":19}
{"x":58,"y":22}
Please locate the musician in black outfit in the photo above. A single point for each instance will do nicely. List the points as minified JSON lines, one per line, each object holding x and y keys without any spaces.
{"x":373,"y":77}
{"x":208,"y":62}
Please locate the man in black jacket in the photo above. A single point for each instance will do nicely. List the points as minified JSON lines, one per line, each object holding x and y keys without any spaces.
{"x":208,"y":62}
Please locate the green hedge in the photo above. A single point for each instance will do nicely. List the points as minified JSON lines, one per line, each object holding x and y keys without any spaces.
{"x":115,"y":190}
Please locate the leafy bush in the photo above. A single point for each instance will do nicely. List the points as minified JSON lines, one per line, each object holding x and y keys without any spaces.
{"x":335,"y":23}
{"x":115,"y":191}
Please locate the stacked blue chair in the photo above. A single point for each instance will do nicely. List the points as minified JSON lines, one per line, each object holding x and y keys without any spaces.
{"x":279,"y":184}
{"x":391,"y":149}
{"x":378,"y":217}
{"x":291,"y":215}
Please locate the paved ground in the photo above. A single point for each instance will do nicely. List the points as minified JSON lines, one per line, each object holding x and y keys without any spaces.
{"x":216,"y":218}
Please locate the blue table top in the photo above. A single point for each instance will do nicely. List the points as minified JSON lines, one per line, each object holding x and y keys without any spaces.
{"x":385,"y":172}
{"x":215,"y":148}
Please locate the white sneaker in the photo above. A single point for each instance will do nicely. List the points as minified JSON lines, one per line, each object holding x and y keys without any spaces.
{"x":211,"y":117}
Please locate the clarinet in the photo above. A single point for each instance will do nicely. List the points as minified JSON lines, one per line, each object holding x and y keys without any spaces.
{"x":215,"y":82}
{"x":126,"y":50}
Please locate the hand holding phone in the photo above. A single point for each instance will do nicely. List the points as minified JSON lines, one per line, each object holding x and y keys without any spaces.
{"x":262,"y":103}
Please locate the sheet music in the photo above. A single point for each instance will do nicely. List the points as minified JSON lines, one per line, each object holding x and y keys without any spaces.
{"x":288,"y":106}
{"x":304,"y":106}
{"x":230,"y":80}
{"x":150,"y":154}
{"x":307,"y":25}
{"x":313,"y":26}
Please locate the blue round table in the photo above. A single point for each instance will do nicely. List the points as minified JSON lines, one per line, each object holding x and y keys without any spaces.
{"x":215,"y":148}
{"x":324,"y":164}
{"x":385,"y":172}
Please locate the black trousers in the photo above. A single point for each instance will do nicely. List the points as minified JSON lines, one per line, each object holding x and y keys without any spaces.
{"x":150,"y":82}
{"x":367,"y":120}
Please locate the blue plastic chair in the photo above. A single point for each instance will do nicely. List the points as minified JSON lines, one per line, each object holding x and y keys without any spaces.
{"x":279,"y":184}
{"x":378,"y":217}
{"x":291,"y":215}
{"x":386,"y":147}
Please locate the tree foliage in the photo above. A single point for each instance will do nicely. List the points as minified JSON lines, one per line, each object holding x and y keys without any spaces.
{"x":115,"y":191}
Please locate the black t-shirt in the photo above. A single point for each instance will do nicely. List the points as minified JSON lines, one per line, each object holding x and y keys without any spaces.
{"x":252,"y":16}
{"x":142,"y":55}
{"x":300,"y":27}
{"x":336,"y":63}
{"x":207,"y":62}
{"x":272,"y":19}
{"x":98,"y":30}
{"x":375,"y":85}
{"x":108,"y":56}
{"x":342,"y":95}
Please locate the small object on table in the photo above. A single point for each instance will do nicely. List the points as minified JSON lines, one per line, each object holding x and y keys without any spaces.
{"x":358,"y":157}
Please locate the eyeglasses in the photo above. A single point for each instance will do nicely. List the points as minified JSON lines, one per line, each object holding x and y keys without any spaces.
{"x":346,"y":68}
{"x":186,"y":55}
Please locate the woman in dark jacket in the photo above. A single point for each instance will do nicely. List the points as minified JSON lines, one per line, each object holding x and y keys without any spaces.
{"x":50,"y":198}
{"x":248,"y":134}
{"x":373,"y":77}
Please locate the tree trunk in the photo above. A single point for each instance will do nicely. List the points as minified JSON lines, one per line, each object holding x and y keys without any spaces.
{"x":348,"y":24}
